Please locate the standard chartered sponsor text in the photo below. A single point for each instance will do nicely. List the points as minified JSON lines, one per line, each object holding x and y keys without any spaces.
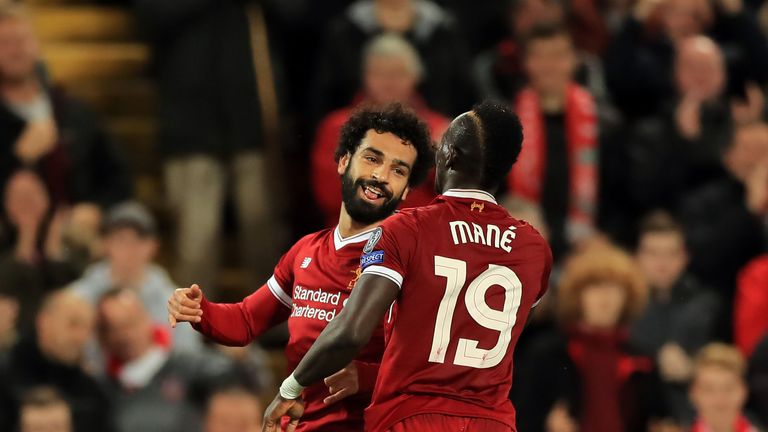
{"x":318,"y":296}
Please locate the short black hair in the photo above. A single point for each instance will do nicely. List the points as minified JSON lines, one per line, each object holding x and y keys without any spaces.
{"x":502,"y":140}
{"x":397,"y":120}
{"x":660,"y":221}
{"x":545,"y":31}
{"x":42,"y":397}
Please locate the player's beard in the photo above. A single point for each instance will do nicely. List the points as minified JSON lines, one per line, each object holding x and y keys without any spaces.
{"x":360,"y":210}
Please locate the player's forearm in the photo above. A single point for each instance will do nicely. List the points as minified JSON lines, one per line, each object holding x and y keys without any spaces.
{"x":336,"y":347}
{"x":223,"y":323}
{"x":238,"y":324}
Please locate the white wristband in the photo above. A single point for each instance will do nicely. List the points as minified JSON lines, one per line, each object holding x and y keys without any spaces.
{"x":290,"y":388}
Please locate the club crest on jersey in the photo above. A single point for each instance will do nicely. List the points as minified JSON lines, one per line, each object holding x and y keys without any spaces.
{"x":357,"y":272}
{"x":372,"y":240}
{"x":477,"y":206}
{"x":369,"y":259}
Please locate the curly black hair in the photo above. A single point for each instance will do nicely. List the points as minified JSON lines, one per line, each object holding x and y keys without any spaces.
{"x":397,"y":120}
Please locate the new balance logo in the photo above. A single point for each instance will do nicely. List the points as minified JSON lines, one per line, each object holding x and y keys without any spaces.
{"x":305,"y":263}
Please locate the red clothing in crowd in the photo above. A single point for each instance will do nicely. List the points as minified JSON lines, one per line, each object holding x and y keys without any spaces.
{"x":326,"y":184}
{"x":595,"y":354}
{"x":750,"y":319}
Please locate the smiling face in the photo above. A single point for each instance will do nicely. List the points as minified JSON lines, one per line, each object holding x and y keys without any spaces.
{"x":375,"y":178}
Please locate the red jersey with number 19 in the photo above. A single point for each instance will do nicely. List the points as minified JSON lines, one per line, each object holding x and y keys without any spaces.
{"x":469,"y":275}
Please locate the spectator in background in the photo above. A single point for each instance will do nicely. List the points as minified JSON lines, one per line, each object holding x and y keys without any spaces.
{"x":499,"y":73}
{"x":681,"y":314}
{"x":9,"y":316}
{"x":233,"y":409}
{"x":215,"y":130}
{"x":679,"y":149}
{"x":640,"y":60}
{"x":391,"y":71}
{"x":719,"y":390}
{"x":43,"y":129}
{"x":750,"y":306}
{"x":153,"y":388}
{"x":446,"y":86}
{"x":43,"y":410}
{"x":52,"y":357}
{"x":586,"y":378}
{"x":33,"y":262}
{"x":558,"y":165}
{"x":131,"y":243}
{"x":251,"y":366}
{"x":726,"y":220}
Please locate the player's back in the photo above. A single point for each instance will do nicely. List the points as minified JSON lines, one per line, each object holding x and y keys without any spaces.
{"x":470,"y":276}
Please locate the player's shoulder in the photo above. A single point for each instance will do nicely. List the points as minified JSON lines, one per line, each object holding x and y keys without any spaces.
{"x":412,"y":216}
{"x":314,"y":239}
{"x":526,"y":235}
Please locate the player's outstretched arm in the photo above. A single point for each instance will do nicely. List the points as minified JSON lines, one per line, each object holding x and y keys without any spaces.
{"x":339,"y":343}
{"x":233,"y":324}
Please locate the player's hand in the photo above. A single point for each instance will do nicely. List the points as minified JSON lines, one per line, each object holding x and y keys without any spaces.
{"x":342,"y":384}
{"x":279,"y":408}
{"x":184,"y":305}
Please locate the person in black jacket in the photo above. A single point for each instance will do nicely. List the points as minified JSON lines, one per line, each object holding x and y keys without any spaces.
{"x":41,"y":128}
{"x":681,"y":314}
{"x":726,"y":220}
{"x":640,"y":59}
{"x":32,"y":257}
{"x":213,"y":126}
{"x":678,"y":149}
{"x":51,"y":357}
{"x":446,"y":87}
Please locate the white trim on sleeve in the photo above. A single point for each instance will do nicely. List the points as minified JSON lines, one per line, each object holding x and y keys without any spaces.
{"x":278,"y":292}
{"x":388,"y":273}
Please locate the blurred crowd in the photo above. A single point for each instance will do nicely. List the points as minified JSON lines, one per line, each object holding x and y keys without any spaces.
{"x":644,"y":163}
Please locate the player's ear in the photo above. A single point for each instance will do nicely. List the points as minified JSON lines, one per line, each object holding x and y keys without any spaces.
{"x":343,"y":163}
{"x":451,"y":157}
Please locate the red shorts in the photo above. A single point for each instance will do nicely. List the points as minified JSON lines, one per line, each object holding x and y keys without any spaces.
{"x":448,"y":423}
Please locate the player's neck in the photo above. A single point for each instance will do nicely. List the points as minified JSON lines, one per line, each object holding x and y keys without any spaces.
{"x":349,"y":227}
{"x":459,"y":183}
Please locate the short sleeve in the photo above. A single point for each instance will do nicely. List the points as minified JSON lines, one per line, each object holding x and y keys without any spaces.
{"x":390,"y":248}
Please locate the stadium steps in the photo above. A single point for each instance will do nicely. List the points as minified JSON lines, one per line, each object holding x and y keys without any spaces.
{"x":96,"y":55}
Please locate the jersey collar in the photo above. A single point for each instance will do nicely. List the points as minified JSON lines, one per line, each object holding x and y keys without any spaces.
{"x":471,"y":194}
{"x":339,"y":242}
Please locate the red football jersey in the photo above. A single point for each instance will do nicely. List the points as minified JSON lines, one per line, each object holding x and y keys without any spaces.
{"x":315,"y":278}
{"x":469,"y":275}
{"x":309,"y":287}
